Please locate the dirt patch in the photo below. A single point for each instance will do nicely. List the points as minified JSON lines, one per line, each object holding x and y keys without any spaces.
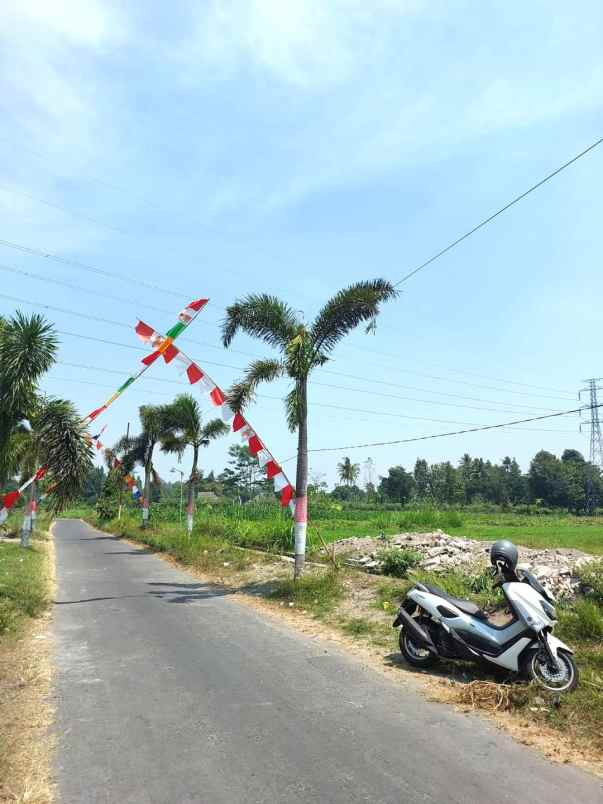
{"x":26,"y":713}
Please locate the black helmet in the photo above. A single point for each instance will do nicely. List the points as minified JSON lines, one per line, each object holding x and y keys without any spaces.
{"x":504,"y":552}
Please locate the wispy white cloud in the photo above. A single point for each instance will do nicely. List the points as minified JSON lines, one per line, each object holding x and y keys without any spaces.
{"x":308,"y":44}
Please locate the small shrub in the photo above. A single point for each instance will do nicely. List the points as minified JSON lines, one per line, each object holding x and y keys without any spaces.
{"x":582,"y":621}
{"x":106,"y":508}
{"x":591,"y":578}
{"x":398,"y":562}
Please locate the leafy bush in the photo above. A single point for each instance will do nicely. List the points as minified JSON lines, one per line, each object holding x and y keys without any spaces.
{"x":106,"y":508}
{"x":398,"y":562}
{"x":582,"y":621}
{"x":591,"y":578}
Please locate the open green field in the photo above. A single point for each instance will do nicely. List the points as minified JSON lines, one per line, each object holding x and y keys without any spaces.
{"x":264,"y":526}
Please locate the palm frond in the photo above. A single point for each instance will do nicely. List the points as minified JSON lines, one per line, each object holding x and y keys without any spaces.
{"x":62,"y":445}
{"x":212,"y":430}
{"x":241,"y":393}
{"x":262,"y":316}
{"x":347,"y":309}
{"x":174,"y":444}
{"x":293,"y":409}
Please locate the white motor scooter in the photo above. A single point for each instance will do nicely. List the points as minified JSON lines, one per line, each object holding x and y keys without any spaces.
{"x":435,"y":625}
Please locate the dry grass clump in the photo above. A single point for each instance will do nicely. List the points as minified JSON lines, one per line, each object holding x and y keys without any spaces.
{"x":25,"y":709}
{"x":490,"y":696}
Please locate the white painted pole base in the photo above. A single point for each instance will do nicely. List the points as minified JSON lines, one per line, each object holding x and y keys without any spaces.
{"x":189,"y":524}
{"x":300,"y":548}
{"x":145,"y":513}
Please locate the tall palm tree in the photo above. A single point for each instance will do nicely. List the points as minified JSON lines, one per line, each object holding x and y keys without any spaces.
{"x":53,"y":437}
{"x":188,"y":430}
{"x":155,"y":421}
{"x":348,"y":472}
{"x":303,"y":348}
{"x":28,"y":347}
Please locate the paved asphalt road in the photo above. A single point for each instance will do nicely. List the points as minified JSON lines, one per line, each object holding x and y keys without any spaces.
{"x":169,"y":691}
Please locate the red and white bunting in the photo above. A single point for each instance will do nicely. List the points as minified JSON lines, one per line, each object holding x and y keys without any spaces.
{"x":237,"y":421}
{"x":189,"y":312}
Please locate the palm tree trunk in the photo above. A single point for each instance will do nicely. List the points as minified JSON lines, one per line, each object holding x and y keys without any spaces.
{"x":301,"y":483}
{"x":192,"y":489}
{"x":146,"y":497}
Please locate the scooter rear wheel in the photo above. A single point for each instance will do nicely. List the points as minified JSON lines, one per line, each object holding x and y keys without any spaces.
{"x":415,"y":654}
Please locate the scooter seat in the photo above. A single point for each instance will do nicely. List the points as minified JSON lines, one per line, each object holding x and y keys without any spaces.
{"x":466,"y":606}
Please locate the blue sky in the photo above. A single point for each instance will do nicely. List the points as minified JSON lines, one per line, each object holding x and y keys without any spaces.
{"x":218,"y":148}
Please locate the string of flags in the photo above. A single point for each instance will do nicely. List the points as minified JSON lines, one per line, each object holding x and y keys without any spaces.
{"x":235,"y":420}
{"x":185,"y":318}
{"x":163,"y":345}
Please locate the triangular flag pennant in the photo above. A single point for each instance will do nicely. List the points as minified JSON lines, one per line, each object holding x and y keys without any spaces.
{"x":150,"y":358}
{"x":255,"y":445}
{"x":286,"y":495}
{"x":11,"y":498}
{"x":170,"y":353}
{"x":264,"y":457}
{"x":238,"y":422}
{"x":227,"y":413}
{"x":217,"y":397}
{"x":92,"y":416}
{"x":280,"y":481}
{"x":272,"y":469}
{"x":144,"y":331}
{"x":194,"y":373}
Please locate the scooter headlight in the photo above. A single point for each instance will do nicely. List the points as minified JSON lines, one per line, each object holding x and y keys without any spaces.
{"x":548,"y":610}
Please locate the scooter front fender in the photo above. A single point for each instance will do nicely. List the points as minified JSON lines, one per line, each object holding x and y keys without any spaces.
{"x":556,"y":645}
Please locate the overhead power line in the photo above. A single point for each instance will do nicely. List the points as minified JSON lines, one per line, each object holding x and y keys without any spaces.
{"x":68,"y":211}
{"x":312,"y":383}
{"x":452,"y":433}
{"x":129,"y":302}
{"x":206,"y":320}
{"x":487,"y":220}
{"x":93,"y":269}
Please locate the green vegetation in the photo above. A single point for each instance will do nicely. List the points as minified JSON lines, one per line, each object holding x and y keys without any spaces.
{"x":263,"y":525}
{"x":591,"y":575}
{"x":398,"y":562}
{"x":23,"y":585}
{"x":315,"y":593}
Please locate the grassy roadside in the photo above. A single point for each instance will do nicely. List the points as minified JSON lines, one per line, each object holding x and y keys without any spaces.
{"x":267,"y":528}
{"x":26,"y":582}
{"x":361,"y":608}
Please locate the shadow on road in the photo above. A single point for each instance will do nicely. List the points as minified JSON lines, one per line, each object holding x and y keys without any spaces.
{"x":94,"y":599}
{"x":142,"y":552}
{"x":187,"y":592}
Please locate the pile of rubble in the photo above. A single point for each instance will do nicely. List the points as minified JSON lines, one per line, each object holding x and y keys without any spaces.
{"x":554,"y":568}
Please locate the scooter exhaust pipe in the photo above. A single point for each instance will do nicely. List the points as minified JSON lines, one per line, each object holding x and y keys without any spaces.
{"x":414,"y":629}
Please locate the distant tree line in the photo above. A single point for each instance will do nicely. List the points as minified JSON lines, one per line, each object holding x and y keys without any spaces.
{"x":569,"y":482}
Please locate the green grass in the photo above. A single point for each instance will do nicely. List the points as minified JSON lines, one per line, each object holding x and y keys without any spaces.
{"x":318,"y":594}
{"x":23,"y":585}
{"x":266,"y":527}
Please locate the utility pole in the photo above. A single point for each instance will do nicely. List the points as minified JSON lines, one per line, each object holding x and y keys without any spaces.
{"x":596,"y":441}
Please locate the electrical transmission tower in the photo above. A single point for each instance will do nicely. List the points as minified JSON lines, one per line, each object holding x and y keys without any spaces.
{"x":596,"y":441}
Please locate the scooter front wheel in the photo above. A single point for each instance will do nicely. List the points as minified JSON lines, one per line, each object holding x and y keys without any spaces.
{"x":564,"y":679}
{"x":415,"y":654}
